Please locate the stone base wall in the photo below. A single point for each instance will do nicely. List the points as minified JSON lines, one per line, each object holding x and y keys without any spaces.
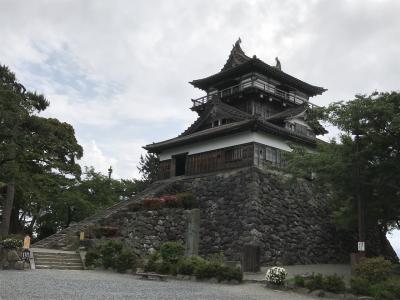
{"x":288,"y":220}
{"x":145,"y":230}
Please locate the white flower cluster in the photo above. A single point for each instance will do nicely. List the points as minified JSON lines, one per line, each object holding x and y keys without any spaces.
{"x":276,"y":275}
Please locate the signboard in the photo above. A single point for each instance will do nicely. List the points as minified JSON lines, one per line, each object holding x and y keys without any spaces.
{"x":27,"y":242}
{"x":361,"y":246}
{"x":82,"y":236}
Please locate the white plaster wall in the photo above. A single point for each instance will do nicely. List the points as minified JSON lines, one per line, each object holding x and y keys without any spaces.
{"x":271,"y":140}
{"x":227,"y":141}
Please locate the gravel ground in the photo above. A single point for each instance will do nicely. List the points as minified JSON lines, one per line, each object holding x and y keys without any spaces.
{"x":59,"y":284}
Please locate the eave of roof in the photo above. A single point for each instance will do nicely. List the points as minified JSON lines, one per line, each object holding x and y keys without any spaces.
{"x":288,"y":113}
{"x":255,"y":64}
{"x":253,"y":124}
{"x":200,"y":135}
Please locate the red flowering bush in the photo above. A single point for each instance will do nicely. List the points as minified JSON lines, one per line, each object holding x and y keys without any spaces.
{"x":153,"y":203}
{"x":185,"y":200}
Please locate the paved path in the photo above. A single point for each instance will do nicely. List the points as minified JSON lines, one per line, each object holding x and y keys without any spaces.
{"x":59,"y":284}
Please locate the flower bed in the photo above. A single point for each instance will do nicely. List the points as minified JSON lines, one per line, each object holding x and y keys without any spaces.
{"x":184,"y":200}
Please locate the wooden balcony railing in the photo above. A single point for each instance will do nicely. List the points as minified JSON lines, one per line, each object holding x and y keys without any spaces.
{"x":253,"y":83}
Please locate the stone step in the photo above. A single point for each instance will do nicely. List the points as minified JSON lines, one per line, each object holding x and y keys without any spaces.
{"x":58,"y":263}
{"x":52,"y":260}
{"x":63,"y":267}
{"x":55,"y":254}
{"x":55,"y":259}
{"x":55,"y":266}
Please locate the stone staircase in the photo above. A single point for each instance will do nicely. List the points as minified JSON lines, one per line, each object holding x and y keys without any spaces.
{"x":63,"y":239}
{"x":61,"y":260}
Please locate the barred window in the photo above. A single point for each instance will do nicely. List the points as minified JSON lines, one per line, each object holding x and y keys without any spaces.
{"x":271,"y":154}
{"x":234,"y":154}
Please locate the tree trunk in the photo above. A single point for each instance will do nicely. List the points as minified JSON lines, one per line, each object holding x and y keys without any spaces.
{"x":5,"y":224}
{"x":16,"y":225}
{"x":69,"y":216}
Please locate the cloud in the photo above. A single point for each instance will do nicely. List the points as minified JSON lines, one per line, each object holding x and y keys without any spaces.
{"x":96,"y":157}
{"x":118,"y":70}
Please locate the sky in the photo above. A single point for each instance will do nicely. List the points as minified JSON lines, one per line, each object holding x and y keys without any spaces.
{"x":118,"y":70}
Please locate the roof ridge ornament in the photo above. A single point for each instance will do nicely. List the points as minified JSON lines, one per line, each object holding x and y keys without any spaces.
{"x":278,"y":64}
{"x":238,"y":42}
{"x":236,"y":57}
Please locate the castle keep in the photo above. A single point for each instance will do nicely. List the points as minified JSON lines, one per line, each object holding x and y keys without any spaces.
{"x":249,"y":113}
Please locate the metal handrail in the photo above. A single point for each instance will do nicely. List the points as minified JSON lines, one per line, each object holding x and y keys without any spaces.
{"x":257,"y":83}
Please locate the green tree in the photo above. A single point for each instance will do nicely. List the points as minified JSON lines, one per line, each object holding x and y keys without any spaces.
{"x":33,"y":150}
{"x":148,"y":167}
{"x":74,"y":200}
{"x":365,"y":161}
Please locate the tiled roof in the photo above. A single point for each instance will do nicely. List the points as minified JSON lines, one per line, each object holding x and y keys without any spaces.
{"x":233,"y":113}
{"x":239,"y":63}
{"x":288,"y":113}
{"x":248,"y":124}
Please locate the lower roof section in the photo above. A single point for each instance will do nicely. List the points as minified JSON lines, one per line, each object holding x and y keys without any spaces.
{"x":231,"y":140}
{"x":249,"y":125}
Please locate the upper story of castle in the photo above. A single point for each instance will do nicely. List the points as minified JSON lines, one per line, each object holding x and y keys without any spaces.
{"x":243,"y":75}
{"x":250,"y":95}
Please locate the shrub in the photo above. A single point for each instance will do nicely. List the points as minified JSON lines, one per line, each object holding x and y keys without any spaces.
{"x":315,"y":282}
{"x":229,"y":273}
{"x":389,"y":289}
{"x":333,"y":283}
{"x":299,"y":281}
{"x":93,"y":258}
{"x":152,"y":203}
{"x":393,"y":285}
{"x":109,"y":252}
{"x":11,"y":243}
{"x":187,"y":199}
{"x":276,"y":275}
{"x":217,"y":258}
{"x":125,"y":260}
{"x":171,"y":252}
{"x":153,"y":263}
{"x":359,"y":285}
{"x":396,"y":269}
{"x":135,"y":206}
{"x":375,"y":269}
{"x":208,"y":270}
{"x":170,"y":201}
{"x":165,"y":267}
{"x":380,"y":292}
{"x":107,"y":231}
{"x":188,"y":265}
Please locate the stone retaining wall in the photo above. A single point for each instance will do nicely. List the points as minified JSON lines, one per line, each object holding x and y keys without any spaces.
{"x":290,"y":222}
{"x":145,"y":230}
